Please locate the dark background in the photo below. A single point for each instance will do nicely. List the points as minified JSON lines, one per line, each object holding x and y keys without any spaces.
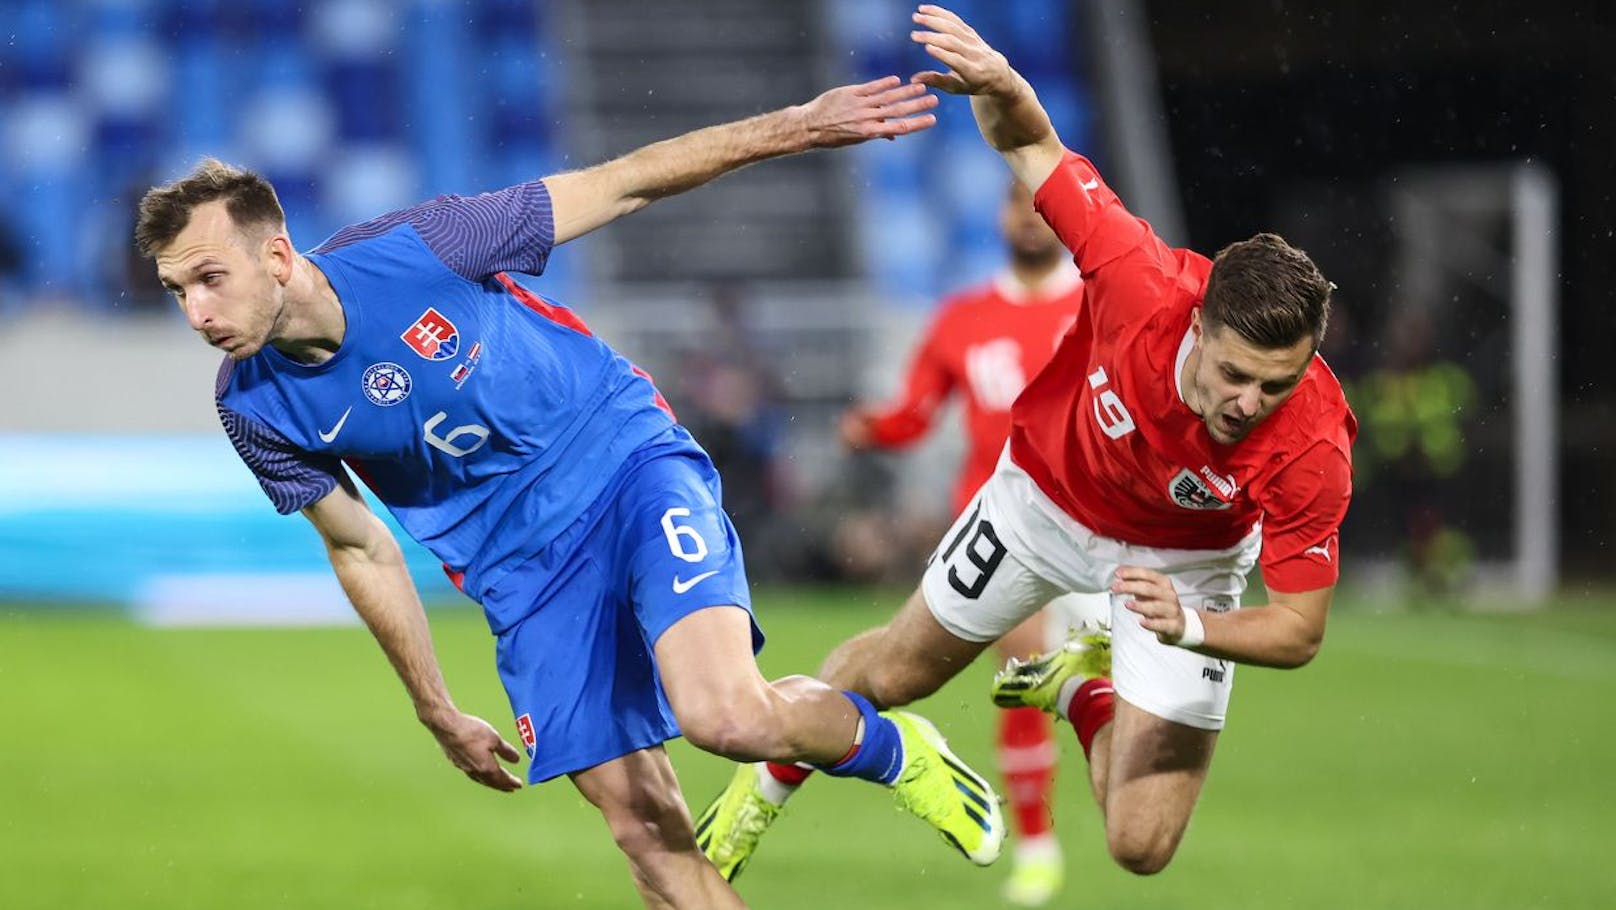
{"x":1264,"y":96}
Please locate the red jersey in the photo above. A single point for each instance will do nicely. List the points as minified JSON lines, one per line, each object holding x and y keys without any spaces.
{"x":984,"y":342}
{"x":1105,"y":433}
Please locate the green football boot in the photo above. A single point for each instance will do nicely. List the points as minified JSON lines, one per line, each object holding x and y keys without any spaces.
{"x":1036,"y":683}
{"x":940,"y":789}
{"x":730,"y":827}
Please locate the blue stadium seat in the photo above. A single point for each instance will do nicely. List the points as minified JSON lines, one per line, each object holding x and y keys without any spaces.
{"x":357,"y":104}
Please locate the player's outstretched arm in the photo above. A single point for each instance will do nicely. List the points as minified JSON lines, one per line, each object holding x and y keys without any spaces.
{"x":371,"y":568}
{"x":882,"y":109}
{"x":1286,"y":633}
{"x":1006,"y":108}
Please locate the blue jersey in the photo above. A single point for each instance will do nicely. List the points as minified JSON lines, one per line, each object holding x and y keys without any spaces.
{"x":485,"y":418}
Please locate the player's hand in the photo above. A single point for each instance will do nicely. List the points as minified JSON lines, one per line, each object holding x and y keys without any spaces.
{"x":854,"y":428}
{"x":974,"y":68}
{"x":1152,"y":597}
{"x":474,"y":747}
{"x":883,"y":109}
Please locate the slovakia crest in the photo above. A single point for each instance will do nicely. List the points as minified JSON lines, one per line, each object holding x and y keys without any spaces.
{"x":385,"y":384}
{"x":433,"y":336}
{"x":524,"y":726}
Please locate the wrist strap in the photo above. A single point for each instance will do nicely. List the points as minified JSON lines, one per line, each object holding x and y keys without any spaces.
{"x":1194,"y":632}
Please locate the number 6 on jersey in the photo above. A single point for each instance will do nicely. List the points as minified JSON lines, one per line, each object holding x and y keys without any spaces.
{"x":676,"y":533}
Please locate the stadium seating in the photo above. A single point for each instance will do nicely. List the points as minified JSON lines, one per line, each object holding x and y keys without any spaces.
{"x":353,"y":107}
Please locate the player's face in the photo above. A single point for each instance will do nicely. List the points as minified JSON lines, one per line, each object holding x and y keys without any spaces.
{"x":1024,"y":229}
{"x":1239,"y":384}
{"x":224,"y":279}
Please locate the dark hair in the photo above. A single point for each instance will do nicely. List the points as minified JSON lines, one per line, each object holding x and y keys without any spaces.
{"x":1268,"y":291}
{"x":166,"y":210}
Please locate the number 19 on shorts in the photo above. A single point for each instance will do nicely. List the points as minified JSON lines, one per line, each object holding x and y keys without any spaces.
{"x":979,"y":554}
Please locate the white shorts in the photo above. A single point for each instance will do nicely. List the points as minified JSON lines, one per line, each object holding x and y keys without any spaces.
{"x":1013,"y":550}
{"x":1074,"y":611}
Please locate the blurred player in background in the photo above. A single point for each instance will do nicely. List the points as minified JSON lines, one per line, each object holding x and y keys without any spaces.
{"x":1184,"y":431}
{"x":983,"y":345}
{"x":544,"y":470}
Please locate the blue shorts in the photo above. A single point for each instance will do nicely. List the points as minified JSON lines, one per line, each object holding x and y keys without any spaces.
{"x":579,"y":668}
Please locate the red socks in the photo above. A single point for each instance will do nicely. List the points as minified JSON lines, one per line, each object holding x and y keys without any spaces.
{"x":1093,"y":706}
{"x":1027,"y":761}
{"x":791,"y":775}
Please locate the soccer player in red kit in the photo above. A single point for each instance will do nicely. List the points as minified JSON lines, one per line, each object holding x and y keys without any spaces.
{"x":983,"y":345}
{"x":1184,"y":432}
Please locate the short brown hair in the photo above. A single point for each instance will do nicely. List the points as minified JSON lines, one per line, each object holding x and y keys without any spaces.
{"x":1268,"y":291}
{"x":166,"y":210}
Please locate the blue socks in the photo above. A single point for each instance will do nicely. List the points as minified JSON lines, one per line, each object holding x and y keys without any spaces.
{"x":878,"y":755}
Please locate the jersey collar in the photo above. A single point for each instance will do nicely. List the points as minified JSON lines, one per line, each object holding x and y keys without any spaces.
{"x":1184,"y":348}
{"x":1063,"y":280}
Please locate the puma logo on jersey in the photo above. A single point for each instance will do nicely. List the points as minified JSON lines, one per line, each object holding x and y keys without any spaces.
{"x":1224,"y":485}
{"x":1091,"y":184}
{"x":1323,"y":550}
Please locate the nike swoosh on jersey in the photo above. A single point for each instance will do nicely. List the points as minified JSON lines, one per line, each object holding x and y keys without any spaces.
{"x":680,"y":587}
{"x":327,"y":437}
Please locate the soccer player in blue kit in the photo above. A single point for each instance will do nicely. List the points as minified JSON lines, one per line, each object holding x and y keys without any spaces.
{"x":545,"y":471}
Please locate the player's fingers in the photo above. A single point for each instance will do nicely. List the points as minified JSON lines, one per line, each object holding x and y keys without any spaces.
{"x":936,"y":41}
{"x":912,"y":106}
{"x":897,"y":94}
{"x":1153,"y":625}
{"x":894,"y":128}
{"x":946,"y":82}
{"x":507,"y":751}
{"x":1145,"y":589}
{"x":933,"y":11}
{"x":1135,"y":573}
{"x":939,"y":40}
{"x":890,"y":104}
{"x":502,"y":781}
{"x":876,"y":85}
{"x":941,"y":20}
{"x":953,"y":61}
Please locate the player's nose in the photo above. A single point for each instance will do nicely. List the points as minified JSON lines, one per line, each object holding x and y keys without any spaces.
{"x":1249,"y":401}
{"x":198,"y":317}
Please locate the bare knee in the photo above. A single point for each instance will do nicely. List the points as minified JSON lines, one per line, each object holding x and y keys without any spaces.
{"x":650,"y":825}
{"x":1141,"y":853}
{"x":745,"y":727}
{"x":638,"y":797}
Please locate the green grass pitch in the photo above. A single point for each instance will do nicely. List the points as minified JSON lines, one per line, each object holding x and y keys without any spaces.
{"x":1423,"y":761}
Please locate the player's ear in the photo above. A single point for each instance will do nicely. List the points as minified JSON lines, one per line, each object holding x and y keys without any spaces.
{"x":280,"y":256}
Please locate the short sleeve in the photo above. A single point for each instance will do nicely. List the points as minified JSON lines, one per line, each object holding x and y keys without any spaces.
{"x":509,"y":230}
{"x":1088,"y":217}
{"x":292,"y":478}
{"x":1303,"y":506}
